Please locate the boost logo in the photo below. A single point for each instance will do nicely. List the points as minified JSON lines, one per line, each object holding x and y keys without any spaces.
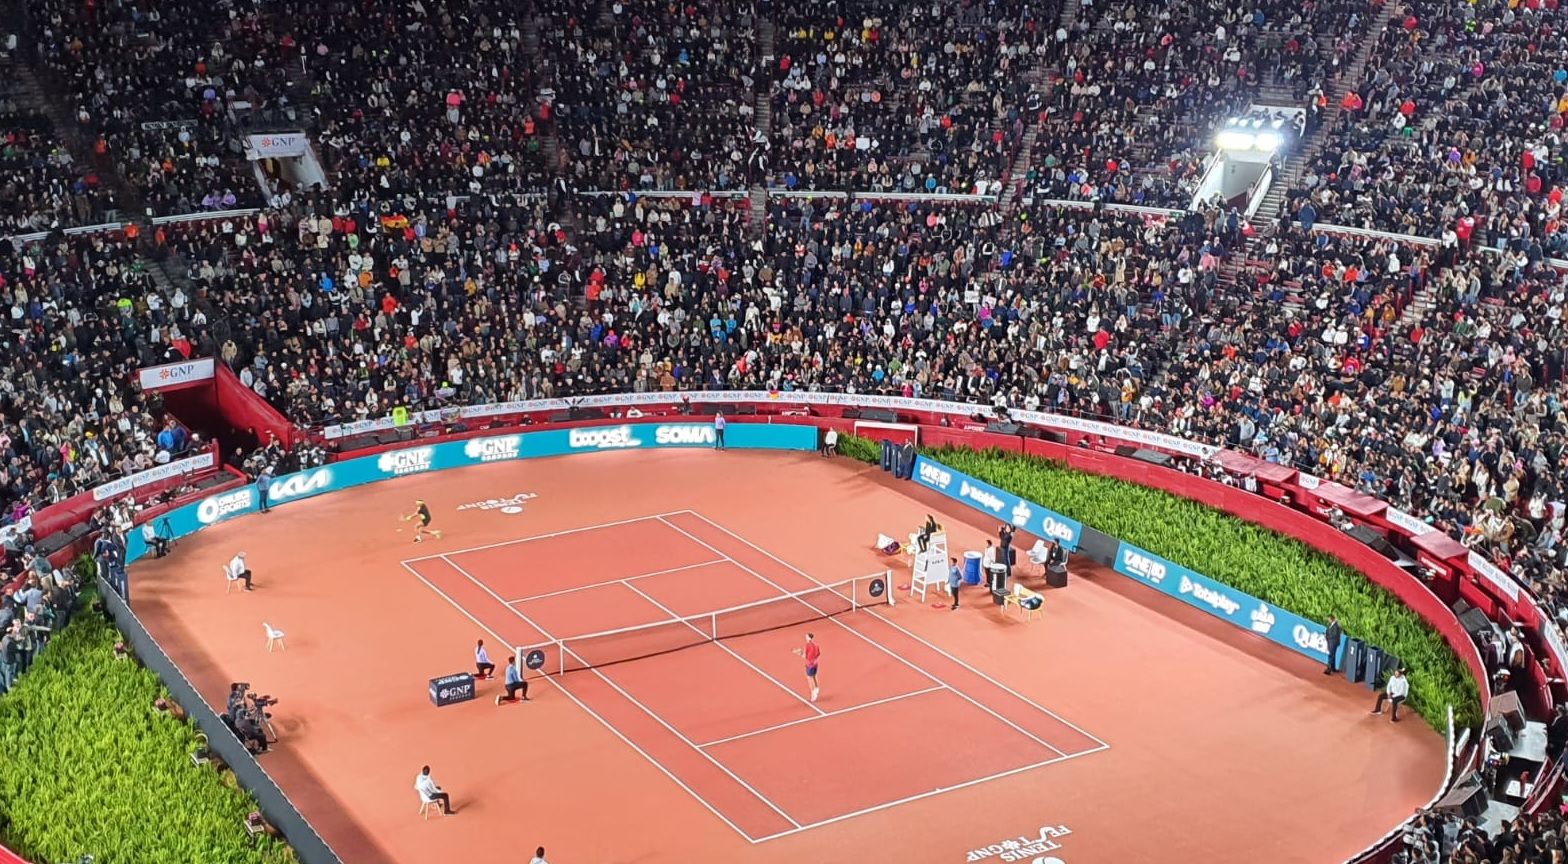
{"x":494,"y":449}
{"x":410,"y":461}
{"x":603,"y":438}
{"x":212,"y":509}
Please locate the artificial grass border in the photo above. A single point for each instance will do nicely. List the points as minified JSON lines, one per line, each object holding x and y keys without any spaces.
{"x":1272,"y":567}
{"x":91,"y":767}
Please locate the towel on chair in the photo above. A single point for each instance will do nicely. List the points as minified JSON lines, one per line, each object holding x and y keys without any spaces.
{"x":887,"y":545}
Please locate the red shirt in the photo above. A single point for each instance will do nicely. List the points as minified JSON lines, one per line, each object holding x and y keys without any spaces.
{"x":812,"y":653}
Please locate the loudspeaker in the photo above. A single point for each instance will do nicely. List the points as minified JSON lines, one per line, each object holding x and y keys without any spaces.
{"x":1049,"y":435}
{"x":1002,"y":428}
{"x":1056,"y":577}
{"x":1377,"y":541}
{"x":878,"y":415}
{"x":1498,"y":732}
{"x":1467,"y":798}
{"x":1506,"y":707}
{"x":851,"y":414}
{"x":1126,"y":450}
{"x":1475,"y":623}
{"x":561,"y":417}
{"x":586,"y":413}
{"x":1153,"y":457}
{"x":744,"y":410}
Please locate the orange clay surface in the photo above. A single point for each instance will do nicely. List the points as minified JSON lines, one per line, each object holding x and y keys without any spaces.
{"x":1134,"y":727}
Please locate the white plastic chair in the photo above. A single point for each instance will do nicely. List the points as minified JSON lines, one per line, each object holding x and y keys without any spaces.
{"x":231,"y":579}
{"x":1038,"y":553}
{"x":428,"y":804}
{"x":274,"y":637}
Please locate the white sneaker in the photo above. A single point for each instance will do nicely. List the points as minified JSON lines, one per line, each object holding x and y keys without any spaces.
{"x":814,"y":695}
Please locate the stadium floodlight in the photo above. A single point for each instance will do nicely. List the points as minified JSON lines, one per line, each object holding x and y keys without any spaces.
{"x":1235,"y":139}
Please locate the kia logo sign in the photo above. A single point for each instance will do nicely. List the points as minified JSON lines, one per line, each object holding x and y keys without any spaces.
{"x":298,"y":485}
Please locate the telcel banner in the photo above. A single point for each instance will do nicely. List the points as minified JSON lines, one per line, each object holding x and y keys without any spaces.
{"x":1243,"y":610}
{"x":1005,"y":506}
{"x":224,"y":506}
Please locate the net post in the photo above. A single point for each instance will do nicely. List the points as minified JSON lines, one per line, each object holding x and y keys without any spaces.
{"x":887,"y":586}
{"x":854,"y":594}
{"x":560,"y":651}
{"x":713,"y":625}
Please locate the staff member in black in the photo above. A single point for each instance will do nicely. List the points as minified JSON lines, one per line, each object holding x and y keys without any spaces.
{"x":1332,"y":636}
{"x":1004,"y":542}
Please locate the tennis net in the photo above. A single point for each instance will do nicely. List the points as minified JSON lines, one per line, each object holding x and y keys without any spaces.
{"x":608,"y":647}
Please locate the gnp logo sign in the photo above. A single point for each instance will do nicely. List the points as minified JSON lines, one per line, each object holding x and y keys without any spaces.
{"x":217,"y":507}
{"x":1219,"y":601}
{"x":1143,"y":566}
{"x":934,"y":476}
{"x":603,"y":438}
{"x":494,"y":449}
{"x":411,"y":461}
{"x":688,"y":435}
{"x":300,"y":485}
{"x":980,"y":496}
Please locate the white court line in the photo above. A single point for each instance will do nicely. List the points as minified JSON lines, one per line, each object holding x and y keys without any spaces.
{"x":730,"y":651}
{"x":609,"y":582}
{"x":964,"y":785}
{"x":883,"y":648}
{"x":614,"y":524}
{"x":1041,"y":708}
{"x":590,"y":712}
{"x":848,"y":710}
{"x":689,"y":743}
{"x":645,"y":709}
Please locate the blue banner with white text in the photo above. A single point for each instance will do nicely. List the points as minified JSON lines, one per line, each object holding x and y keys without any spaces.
{"x":1005,"y":506}
{"x":223,"y":506}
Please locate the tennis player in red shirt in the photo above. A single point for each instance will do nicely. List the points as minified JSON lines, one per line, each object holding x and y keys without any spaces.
{"x":812,"y":652}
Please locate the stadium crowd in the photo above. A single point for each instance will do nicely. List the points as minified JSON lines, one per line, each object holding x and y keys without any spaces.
{"x":1455,"y":130}
{"x":443,"y":266}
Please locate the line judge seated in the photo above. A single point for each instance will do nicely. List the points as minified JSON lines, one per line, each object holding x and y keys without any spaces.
{"x":239,"y":570}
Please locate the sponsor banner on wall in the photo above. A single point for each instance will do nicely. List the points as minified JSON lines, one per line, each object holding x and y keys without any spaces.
{"x":276,"y":145}
{"x":1222,"y":601}
{"x":1412,"y":525}
{"x":199,"y":462}
{"x":843,"y":400}
{"x":1004,"y":506}
{"x":473,"y":451}
{"x":174,"y":374}
{"x":1494,"y":574}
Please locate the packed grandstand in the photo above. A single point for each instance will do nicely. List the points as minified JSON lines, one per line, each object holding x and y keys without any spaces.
{"x":988,"y":202}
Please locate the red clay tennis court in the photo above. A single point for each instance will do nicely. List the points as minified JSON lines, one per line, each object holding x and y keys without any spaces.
{"x":938,"y":737}
{"x":715,"y":699}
